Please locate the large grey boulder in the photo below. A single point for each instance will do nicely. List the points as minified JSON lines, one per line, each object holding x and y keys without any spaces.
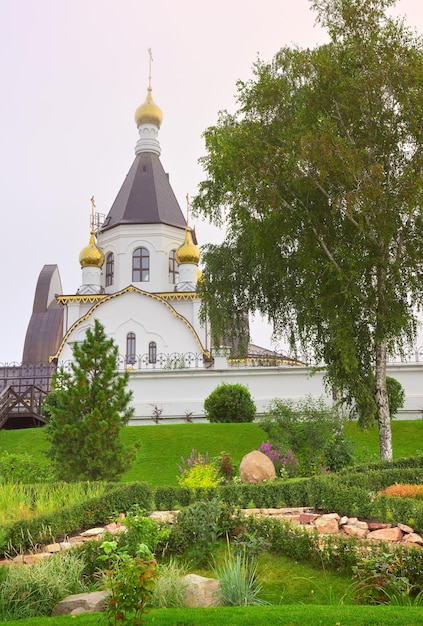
{"x":93,"y":602}
{"x":256,"y":467}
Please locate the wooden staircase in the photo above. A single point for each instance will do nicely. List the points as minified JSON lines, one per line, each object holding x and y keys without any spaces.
{"x":20,"y":406}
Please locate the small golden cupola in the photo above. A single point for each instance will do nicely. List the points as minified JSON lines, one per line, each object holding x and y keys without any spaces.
{"x":188,"y":252}
{"x":148,"y":112}
{"x":91,"y":255}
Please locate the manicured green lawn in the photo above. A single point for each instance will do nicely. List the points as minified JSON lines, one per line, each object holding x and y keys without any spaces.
{"x":298,"y":615}
{"x":407,"y":438}
{"x":161,"y":446}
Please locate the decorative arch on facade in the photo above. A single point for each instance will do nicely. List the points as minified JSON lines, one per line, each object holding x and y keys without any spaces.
{"x":131,"y":288}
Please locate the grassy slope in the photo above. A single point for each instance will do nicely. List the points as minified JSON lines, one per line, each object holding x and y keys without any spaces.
{"x":161,"y":446}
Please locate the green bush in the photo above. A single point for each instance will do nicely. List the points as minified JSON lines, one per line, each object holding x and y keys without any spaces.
{"x":200,"y":476}
{"x":198,"y":527}
{"x":24,"y":468}
{"x":312,"y":431}
{"x":230,"y":403}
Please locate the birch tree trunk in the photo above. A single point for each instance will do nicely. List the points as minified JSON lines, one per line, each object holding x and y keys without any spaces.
{"x":381,"y":398}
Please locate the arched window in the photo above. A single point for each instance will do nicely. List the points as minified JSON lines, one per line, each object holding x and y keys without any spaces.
{"x":152,"y":352}
{"x":110,"y":269}
{"x":141,"y":265}
{"x":130,"y":348}
{"x":173,"y":268}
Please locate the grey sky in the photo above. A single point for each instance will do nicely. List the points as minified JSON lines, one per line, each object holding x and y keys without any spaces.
{"x":73,"y":72}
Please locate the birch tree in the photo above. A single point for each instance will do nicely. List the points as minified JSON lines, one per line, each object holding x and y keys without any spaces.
{"x":317,"y":179}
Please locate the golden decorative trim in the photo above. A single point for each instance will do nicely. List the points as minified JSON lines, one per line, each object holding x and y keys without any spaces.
{"x":99,"y":299}
{"x":81,"y":299}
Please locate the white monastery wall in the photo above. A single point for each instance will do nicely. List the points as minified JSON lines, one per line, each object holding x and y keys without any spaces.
{"x":178,"y":392}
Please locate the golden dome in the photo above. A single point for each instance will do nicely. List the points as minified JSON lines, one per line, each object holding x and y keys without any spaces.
{"x":148,"y":112}
{"x":91,"y":255}
{"x":188,"y":252}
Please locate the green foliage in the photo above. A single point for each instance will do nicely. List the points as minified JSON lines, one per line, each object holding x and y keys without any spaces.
{"x":34,"y":590}
{"x":204,"y":476}
{"x":24,"y":468}
{"x":396,"y":395}
{"x":305,"y":176}
{"x":130,"y":581}
{"x":230,"y":403}
{"x":366,"y":411}
{"x":88,"y":408}
{"x":198,"y":527}
{"x":312,"y":431}
{"x":143,"y":530}
{"x":381,"y":577}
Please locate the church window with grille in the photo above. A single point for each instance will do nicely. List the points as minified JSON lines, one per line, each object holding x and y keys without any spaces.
{"x":152,"y":352}
{"x":140,"y":265}
{"x":110,"y":269}
{"x":173,"y":268}
{"x":130,"y":348}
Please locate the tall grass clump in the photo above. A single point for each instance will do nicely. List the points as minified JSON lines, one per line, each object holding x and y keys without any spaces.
{"x":238,"y":578}
{"x":33,"y":590}
{"x":20,"y":501}
{"x":170,"y":588}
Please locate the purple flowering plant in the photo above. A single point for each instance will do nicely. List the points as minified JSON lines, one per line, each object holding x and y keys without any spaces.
{"x":283,"y":461}
{"x":195,"y":458}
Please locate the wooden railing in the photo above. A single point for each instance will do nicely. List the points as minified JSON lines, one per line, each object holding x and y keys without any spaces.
{"x":20,"y":406}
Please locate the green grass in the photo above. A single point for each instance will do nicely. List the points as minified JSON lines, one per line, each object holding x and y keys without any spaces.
{"x":407,"y":439}
{"x":288,"y":582}
{"x":161,"y":446}
{"x":299,"y":615}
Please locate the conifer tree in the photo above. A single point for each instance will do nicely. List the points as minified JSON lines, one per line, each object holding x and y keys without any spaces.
{"x":88,"y":407}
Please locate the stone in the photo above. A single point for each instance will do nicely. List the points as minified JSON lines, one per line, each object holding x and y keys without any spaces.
{"x":344,"y":520}
{"x":30,"y":559}
{"x":52,"y":547}
{"x":379,"y":525}
{"x":93,"y":602}
{"x":327,"y":524}
{"x":93,"y":532}
{"x":413,"y":538}
{"x":201,"y":591}
{"x":355,"y":531}
{"x":386,"y":534}
{"x":256,"y":467}
{"x":405,"y":528}
{"x":308,"y":518}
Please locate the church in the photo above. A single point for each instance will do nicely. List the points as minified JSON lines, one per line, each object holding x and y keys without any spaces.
{"x":139,"y":273}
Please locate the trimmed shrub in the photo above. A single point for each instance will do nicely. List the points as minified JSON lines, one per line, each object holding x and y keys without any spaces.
{"x":230,"y":403}
{"x":24,"y":468}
